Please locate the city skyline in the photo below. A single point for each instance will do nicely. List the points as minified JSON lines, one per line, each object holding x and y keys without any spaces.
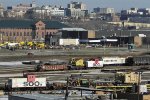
{"x":117,"y":4}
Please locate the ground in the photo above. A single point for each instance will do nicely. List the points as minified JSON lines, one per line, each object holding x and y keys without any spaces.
{"x":21,"y":55}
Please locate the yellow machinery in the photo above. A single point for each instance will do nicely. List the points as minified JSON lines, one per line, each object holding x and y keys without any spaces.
{"x":123,"y":81}
{"x":128,"y":78}
{"x":79,"y":80}
{"x":22,"y":44}
{"x":40,"y":45}
{"x":2,"y":45}
{"x":30,"y":44}
{"x":78,"y":62}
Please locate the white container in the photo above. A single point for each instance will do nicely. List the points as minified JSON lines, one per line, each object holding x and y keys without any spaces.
{"x":22,"y":82}
{"x":94,"y":64}
{"x":143,"y":89}
{"x":113,"y":60}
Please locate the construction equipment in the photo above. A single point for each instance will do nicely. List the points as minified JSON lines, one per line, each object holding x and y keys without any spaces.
{"x":128,"y":78}
{"x":76,"y":63}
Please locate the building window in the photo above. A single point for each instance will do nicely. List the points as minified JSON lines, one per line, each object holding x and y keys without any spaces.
{"x":17,"y":34}
{"x":42,"y":28}
{"x":42,"y":34}
{"x":10,"y":34}
{"x":14,"y":34}
{"x":20,"y":33}
{"x":24,"y":33}
{"x":6,"y":34}
{"x":28,"y":34}
{"x":46,"y":33}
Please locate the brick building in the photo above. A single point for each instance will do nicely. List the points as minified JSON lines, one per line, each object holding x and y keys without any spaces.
{"x":27,"y":30}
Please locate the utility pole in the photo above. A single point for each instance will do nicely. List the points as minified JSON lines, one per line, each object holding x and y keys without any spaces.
{"x":66,"y":95}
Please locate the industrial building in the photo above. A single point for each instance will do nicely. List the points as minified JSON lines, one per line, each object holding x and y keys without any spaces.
{"x":27,"y":30}
{"x":68,"y":36}
{"x":75,"y":33}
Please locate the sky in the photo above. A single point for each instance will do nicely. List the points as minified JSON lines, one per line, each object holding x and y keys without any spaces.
{"x":117,"y":4}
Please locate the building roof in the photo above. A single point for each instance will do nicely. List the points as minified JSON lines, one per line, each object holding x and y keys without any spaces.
{"x":30,"y":24}
{"x":124,"y":33}
{"x":73,"y":29}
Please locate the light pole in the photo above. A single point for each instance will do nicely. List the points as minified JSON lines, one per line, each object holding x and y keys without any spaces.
{"x":139,"y":82}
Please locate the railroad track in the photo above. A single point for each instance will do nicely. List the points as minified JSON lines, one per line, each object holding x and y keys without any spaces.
{"x":15,"y":69}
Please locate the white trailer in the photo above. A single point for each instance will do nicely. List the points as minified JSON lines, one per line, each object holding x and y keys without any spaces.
{"x":23,"y":82}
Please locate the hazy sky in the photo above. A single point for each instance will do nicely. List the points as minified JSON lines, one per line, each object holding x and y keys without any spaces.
{"x":117,"y":4}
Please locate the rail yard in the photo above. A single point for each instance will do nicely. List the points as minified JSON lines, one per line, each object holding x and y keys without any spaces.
{"x":54,"y":71}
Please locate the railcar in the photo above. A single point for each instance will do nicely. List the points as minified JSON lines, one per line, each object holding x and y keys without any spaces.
{"x":80,"y":63}
{"x":51,"y":66}
{"x":113,"y":61}
{"x":138,"y":60}
{"x":31,"y":82}
{"x":94,"y":63}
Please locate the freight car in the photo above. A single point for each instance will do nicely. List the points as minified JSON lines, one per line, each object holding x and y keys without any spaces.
{"x":26,"y":83}
{"x":94,"y":63}
{"x":51,"y":66}
{"x":113,"y":61}
{"x":138,"y":60}
{"x":80,"y":63}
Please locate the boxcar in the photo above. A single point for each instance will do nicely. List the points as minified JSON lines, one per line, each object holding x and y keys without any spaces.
{"x":94,"y":64}
{"x":113,"y":61}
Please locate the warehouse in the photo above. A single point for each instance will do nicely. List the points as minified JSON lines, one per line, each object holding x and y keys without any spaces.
{"x":77,"y":33}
